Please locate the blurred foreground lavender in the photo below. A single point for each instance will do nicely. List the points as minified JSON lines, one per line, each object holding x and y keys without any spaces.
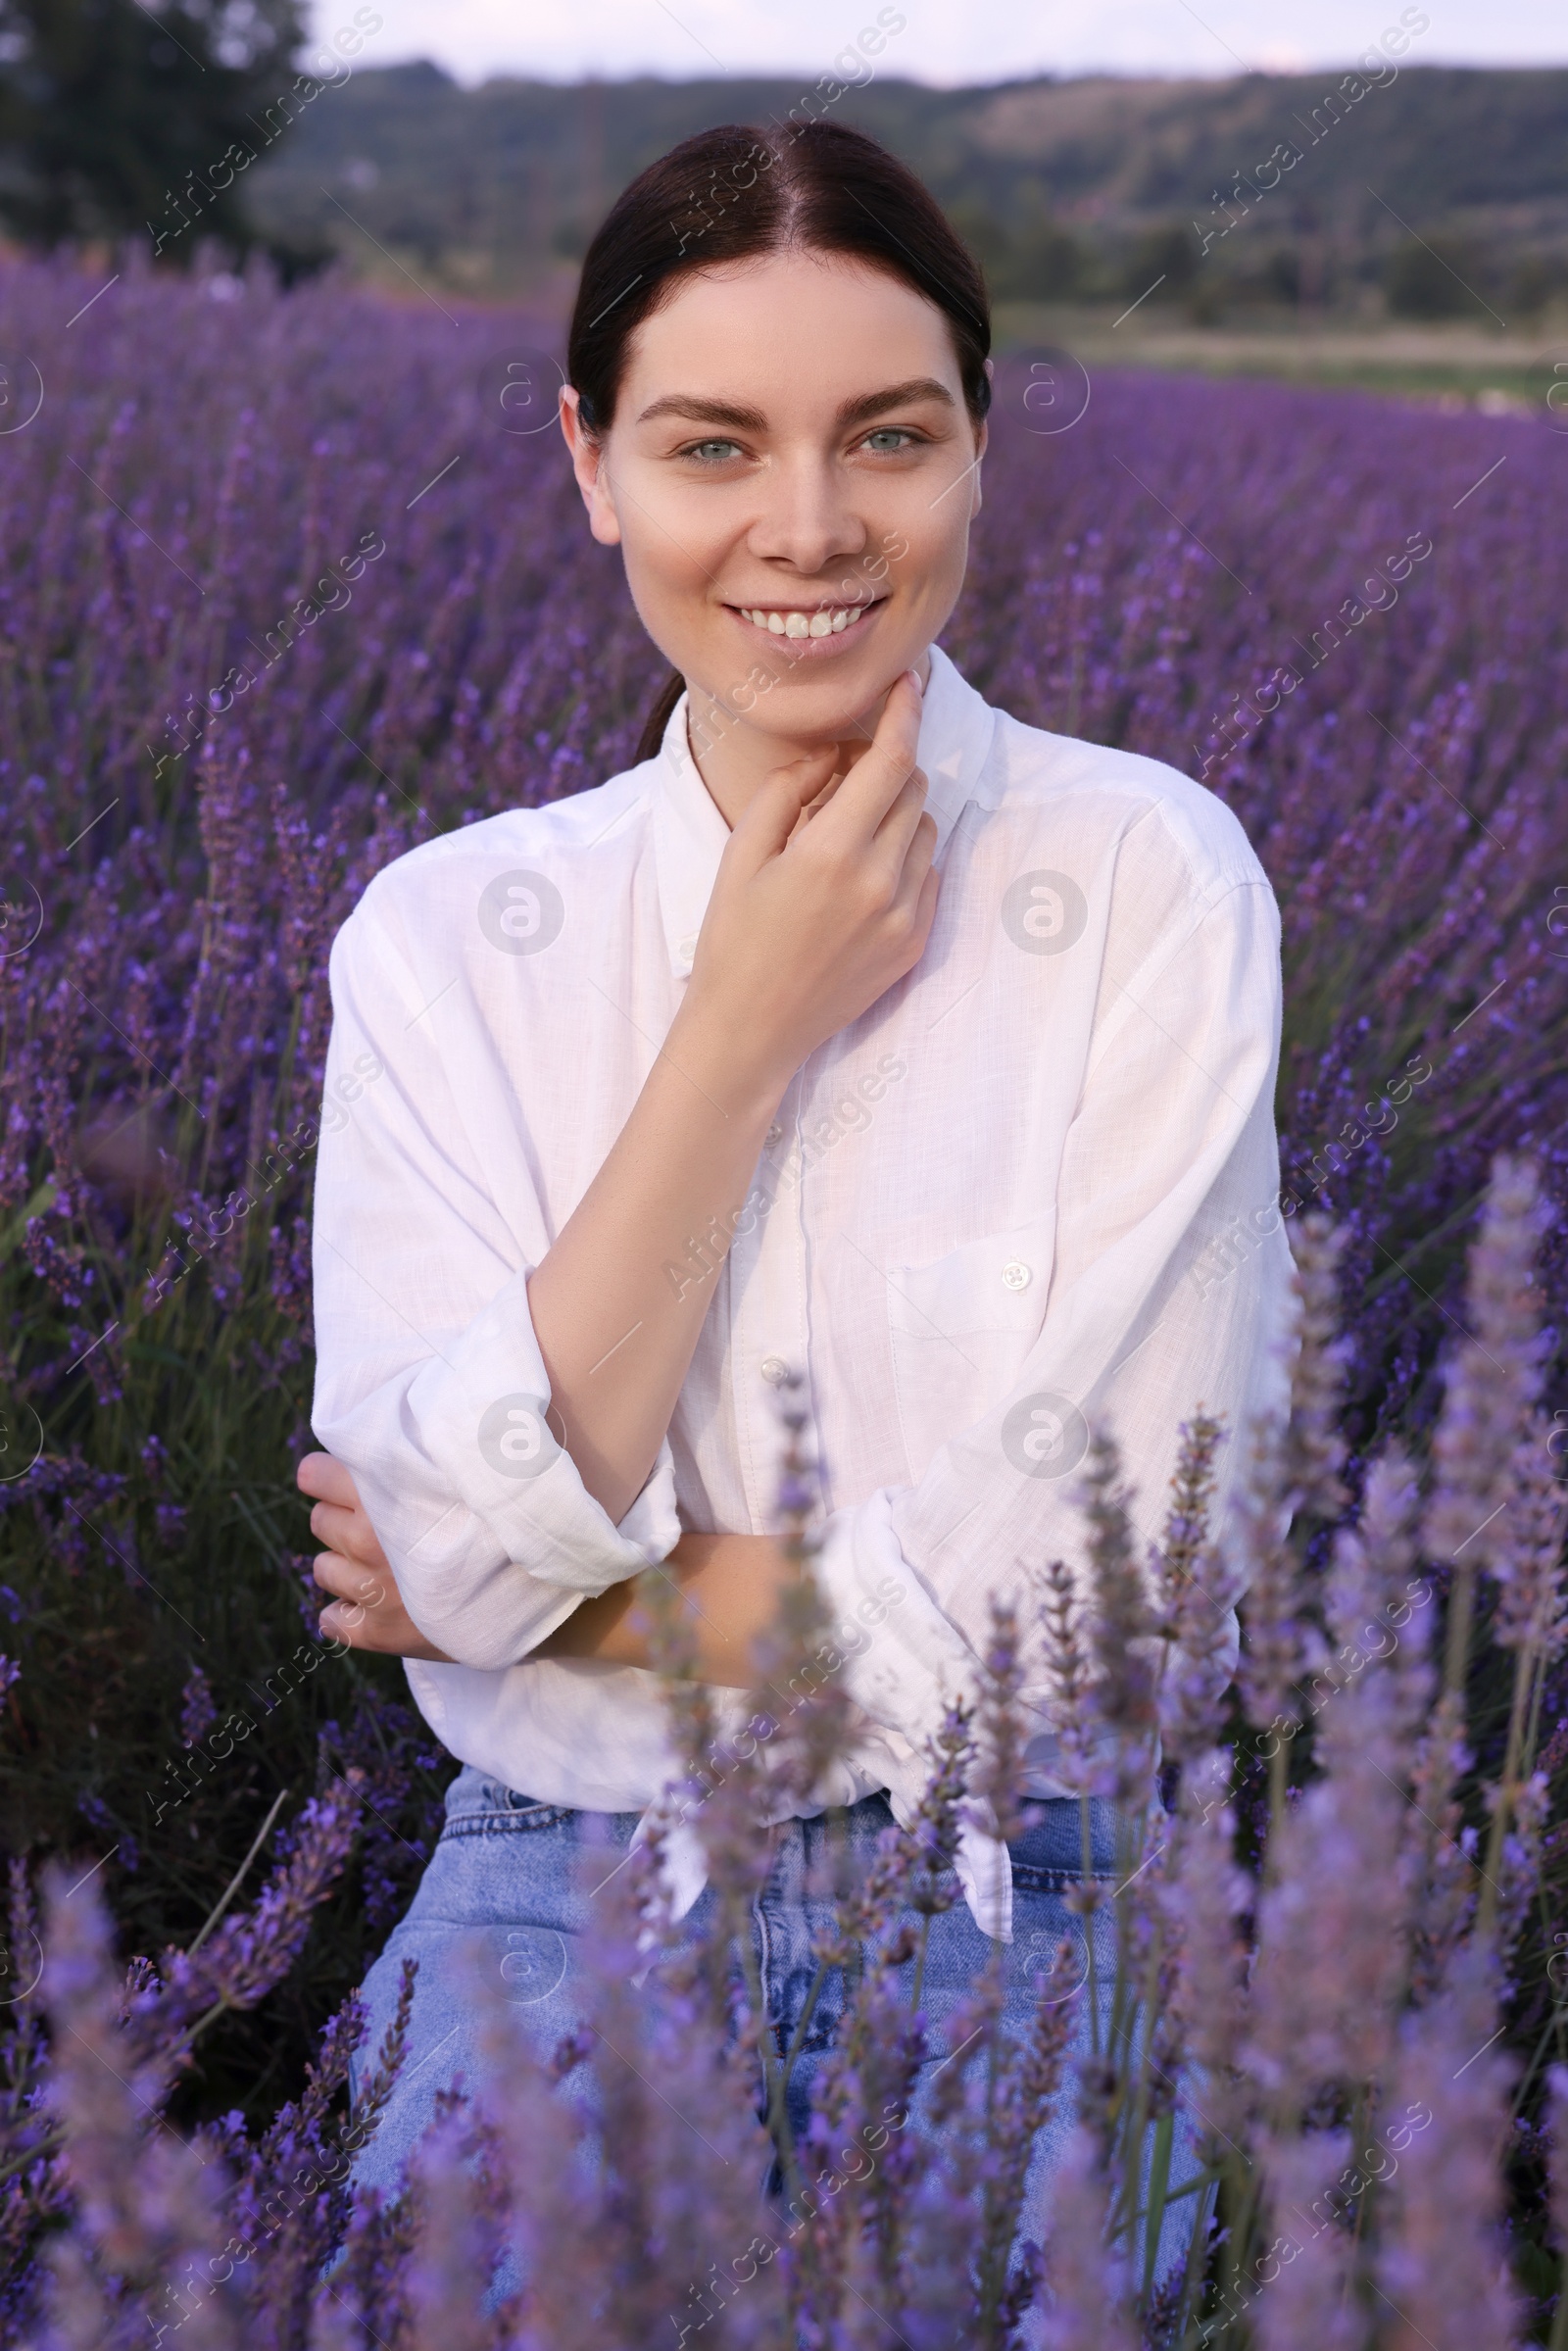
{"x":1334,"y":2008}
{"x":313,"y":494}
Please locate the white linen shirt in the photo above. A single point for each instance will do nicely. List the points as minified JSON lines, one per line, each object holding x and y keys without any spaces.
{"x":1034,"y":1188}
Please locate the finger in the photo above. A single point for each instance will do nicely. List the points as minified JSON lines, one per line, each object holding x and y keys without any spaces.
{"x":356,"y":1627}
{"x":387,"y":1636}
{"x":843,"y":759}
{"x":898,"y":826}
{"x":924,"y":914}
{"x":348,"y":1625}
{"x":778,"y":805}
{"x":368,"y":1612}
{"x":327,"y":1478}
{"x":814,"y":806}
{"x":875,"y":779}
{"x":348,"y":1530}
{"x":347,"y":1580}
{"x":919,"y":881}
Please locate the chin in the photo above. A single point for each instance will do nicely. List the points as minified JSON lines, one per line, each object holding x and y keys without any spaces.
{"x":822,"y":701}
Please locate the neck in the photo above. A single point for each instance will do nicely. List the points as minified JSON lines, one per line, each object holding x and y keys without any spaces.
{"x":732,"y":755}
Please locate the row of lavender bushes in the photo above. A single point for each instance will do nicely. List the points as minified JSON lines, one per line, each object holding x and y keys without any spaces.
{"x":175,"y":853}
{"x":1332,"y":2011}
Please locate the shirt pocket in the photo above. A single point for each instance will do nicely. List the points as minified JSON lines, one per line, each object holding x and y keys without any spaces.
{"x":961,"y":1327}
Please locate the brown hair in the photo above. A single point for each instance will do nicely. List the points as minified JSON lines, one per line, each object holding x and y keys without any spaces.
{"x":742,"y":191}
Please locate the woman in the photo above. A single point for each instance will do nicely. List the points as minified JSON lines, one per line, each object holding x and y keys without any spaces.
{"x":857,"y":1029}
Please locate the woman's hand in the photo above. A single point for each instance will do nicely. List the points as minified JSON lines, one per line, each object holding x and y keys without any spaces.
{"x":368,"y":1612}
{"x":824,"y":898}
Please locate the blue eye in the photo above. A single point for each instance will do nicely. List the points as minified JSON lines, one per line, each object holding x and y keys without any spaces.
{"x":696,"y":449}
{"x":890,"y":432}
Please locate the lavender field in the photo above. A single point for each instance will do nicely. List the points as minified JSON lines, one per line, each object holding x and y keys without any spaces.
{"x":285,"y":590}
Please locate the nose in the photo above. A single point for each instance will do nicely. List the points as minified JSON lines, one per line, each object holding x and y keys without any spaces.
{"x":808,"y":518}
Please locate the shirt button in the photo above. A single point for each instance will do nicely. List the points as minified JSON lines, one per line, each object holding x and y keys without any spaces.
{"x":687,"y":948}
{"x":1017,"y":1275}
{"x":774,"y":1133}
{"x":775,"y":1369}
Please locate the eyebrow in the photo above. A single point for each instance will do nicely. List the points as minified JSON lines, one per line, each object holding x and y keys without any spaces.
{"x":749,"y":419}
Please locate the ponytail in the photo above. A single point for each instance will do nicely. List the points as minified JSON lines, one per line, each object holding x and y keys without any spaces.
{"x":653,"y":734}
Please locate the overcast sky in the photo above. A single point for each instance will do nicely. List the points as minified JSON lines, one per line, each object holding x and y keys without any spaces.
{"x":944,"y":41}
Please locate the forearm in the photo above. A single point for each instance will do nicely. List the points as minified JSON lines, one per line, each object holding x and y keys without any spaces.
{"x":729,"y":1587}
{"x":615,"y":1330}
{"x":823,"y":899}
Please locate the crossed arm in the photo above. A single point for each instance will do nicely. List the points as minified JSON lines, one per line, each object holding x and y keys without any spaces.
{"x":728,"y":1583}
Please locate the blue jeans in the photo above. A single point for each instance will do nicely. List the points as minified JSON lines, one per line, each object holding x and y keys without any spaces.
{"x":503,"y":1885}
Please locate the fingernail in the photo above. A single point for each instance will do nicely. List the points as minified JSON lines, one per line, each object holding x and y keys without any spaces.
{"x":914,"y":675}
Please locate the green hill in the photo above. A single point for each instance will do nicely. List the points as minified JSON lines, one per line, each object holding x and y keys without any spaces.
{"x":1432,"y":191}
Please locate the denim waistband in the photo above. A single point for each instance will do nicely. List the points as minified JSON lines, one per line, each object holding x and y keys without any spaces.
{"x":476,"y":1803}
{"x":1048,"y":1853}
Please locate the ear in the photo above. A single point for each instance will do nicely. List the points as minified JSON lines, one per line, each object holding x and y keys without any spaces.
{"x":589,"y":465}
{"x":981,"y":442}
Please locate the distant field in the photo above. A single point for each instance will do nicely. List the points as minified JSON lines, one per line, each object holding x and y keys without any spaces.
{"x":1454,"y":365}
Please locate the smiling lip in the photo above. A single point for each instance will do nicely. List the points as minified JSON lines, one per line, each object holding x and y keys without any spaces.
{"x":801,"y":644}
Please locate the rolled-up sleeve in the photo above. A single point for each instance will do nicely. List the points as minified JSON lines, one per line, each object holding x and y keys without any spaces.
{"x":1170,"y":1290}
{"x":429,"y":1384}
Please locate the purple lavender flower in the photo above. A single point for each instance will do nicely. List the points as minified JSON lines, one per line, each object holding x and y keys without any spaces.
{"x":1086,"y":2298}
{"x":197,"y":1712}
{"x":1442,"y":2264}
{"x":147,"y":2206}
{"x":1495,"y":1375}
{"x":248,"y":1953}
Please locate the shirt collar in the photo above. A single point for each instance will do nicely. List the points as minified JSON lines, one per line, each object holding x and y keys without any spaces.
{"x":957,"y":725}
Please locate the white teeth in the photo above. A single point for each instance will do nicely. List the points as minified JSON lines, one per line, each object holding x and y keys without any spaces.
{"x":805,"y":624}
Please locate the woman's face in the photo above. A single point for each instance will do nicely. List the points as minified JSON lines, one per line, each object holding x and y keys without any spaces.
{"x":790,"y":478}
